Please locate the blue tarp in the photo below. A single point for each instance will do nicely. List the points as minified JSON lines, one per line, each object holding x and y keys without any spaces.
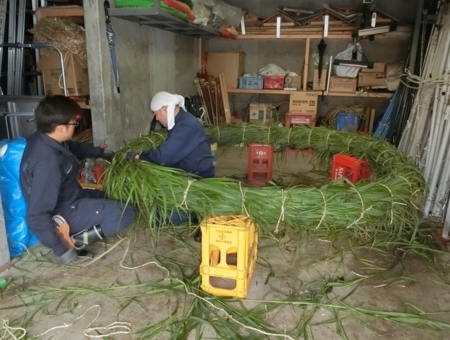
{"x":13,"y":202}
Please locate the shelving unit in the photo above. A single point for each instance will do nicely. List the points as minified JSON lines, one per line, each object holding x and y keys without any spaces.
{"x":156,"y":17}
{"x":306,"y":34}
{"x":76,"y":14}
{"x":59,"y":11}
{"x":331,"y":94}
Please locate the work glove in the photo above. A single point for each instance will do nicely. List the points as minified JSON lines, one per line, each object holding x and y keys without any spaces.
{"x":131,"y":155}
{"x":108,"y":156}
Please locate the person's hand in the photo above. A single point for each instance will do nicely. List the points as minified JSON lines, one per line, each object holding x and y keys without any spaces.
{"x":108,"y":156}
{"x":132,"y":155}
{"x":68,"y":257}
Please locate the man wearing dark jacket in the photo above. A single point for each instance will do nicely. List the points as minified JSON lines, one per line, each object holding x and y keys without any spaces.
{"x":186,"y":147}
{"x":49,"y":181}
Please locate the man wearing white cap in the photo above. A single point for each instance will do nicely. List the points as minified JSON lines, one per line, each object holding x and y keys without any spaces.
{"x":186,"y":147}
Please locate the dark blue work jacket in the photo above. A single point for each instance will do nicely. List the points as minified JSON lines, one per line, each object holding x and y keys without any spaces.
{"x":186,"y":148}
{"x":49,"y":180}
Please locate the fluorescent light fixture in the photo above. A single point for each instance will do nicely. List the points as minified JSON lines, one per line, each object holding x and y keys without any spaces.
{"x":242,"y":26}
{"x":352,"y":63}
{"x":278,"y":26}
{"x":374,"y":30}
{"x":373,"y":22}
{"x":326,"y":19}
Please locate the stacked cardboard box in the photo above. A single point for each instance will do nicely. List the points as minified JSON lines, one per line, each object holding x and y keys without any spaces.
{"x":260,"y":113}
{"x":375,"y":76}
{"x":76,"y":69}
{"x":342,"y":84}
{"x":302,"y":109}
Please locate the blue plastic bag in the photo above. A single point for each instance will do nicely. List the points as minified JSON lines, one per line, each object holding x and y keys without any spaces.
{"x":13,"y":201}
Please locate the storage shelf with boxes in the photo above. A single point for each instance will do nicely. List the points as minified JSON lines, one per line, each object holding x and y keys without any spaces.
{"x":327,"y":85}
{"x":75,"y":63}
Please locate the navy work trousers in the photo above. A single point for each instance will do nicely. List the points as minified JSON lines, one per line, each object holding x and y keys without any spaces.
{"x":94,"y":209}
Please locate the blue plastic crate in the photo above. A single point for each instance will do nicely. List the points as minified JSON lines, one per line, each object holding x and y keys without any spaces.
{"x":251,"y":83}
{"x":348,"y":122}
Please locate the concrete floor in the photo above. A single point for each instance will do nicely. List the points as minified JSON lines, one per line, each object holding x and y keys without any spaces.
{"x":46,"y":298}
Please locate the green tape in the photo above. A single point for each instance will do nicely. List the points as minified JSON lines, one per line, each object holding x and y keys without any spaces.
{"x":3,"y":283}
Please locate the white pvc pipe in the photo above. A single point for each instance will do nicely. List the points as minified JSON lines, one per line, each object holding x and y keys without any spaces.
{"x":437,"y":106}
{"x":437,"y":165}
{"x":278,"y":27}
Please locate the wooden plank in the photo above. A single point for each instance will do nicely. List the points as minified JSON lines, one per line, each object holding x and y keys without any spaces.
{"x":226,"y":101}
{"x":59,"y":11}
{"x":366,"y":119}
{"x":293,"y":36}
{"x":200,"y":51}
{"x":306,"y":64}
{"x":372,"y":120}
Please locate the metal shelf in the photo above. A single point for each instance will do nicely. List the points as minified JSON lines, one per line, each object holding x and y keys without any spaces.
{"x":330,"y":94}
{"x":158,"y":18}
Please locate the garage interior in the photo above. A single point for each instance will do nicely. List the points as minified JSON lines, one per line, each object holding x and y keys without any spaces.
{"x":333,"y":257}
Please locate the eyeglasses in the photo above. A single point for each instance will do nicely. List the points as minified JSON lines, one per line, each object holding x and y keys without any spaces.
{"x":76,"y":124}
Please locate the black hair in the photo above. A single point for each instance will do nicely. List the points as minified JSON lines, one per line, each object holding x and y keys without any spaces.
{"x":55,"y":110}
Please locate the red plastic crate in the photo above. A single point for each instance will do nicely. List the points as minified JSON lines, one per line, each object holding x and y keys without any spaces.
{"x":274,"y":82}
{"x":349,"y":167}
{"x":291,"y":119}
{"x":260,"y":163}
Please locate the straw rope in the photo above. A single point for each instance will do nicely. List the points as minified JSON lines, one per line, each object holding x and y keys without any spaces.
{"x":324,"y":212}
{"x":309,"y":137}
{"x":116,"y":327}
{"x":186,"y":192}
{"x":244,"y":209}
{"x":186,"y":288}
{"x":281,"y":218}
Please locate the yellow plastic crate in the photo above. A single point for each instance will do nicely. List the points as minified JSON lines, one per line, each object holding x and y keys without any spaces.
{"x":229,"y":251}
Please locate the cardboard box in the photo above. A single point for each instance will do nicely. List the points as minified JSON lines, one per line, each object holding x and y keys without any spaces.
{"x":377,"y":68}
{"x":77,"y":79}
{"x":371,"y":79}
{"x":303,"y":103}
{"x":260,"y":113}
{"x":322,"y":84}
{"x":231,"y":63}
{"x":342,"y":84}
{"x":293,"y":82}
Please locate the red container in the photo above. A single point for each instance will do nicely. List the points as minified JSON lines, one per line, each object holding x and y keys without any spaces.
{"x":353,"y":168}
{"x":260,"y":163}
{"x":291,"y":119}
{"x":98,"y":173}
{"x":274,"y":82}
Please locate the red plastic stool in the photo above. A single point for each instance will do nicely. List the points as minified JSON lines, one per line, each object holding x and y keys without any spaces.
{"x":260,"y":163}
{"x":349,"y":167}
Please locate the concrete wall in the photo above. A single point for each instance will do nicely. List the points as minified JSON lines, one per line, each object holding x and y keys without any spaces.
{"x":149,"y":60}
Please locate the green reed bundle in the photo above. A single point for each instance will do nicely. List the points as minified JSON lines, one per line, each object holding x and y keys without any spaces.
{"x":390,"y":204}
